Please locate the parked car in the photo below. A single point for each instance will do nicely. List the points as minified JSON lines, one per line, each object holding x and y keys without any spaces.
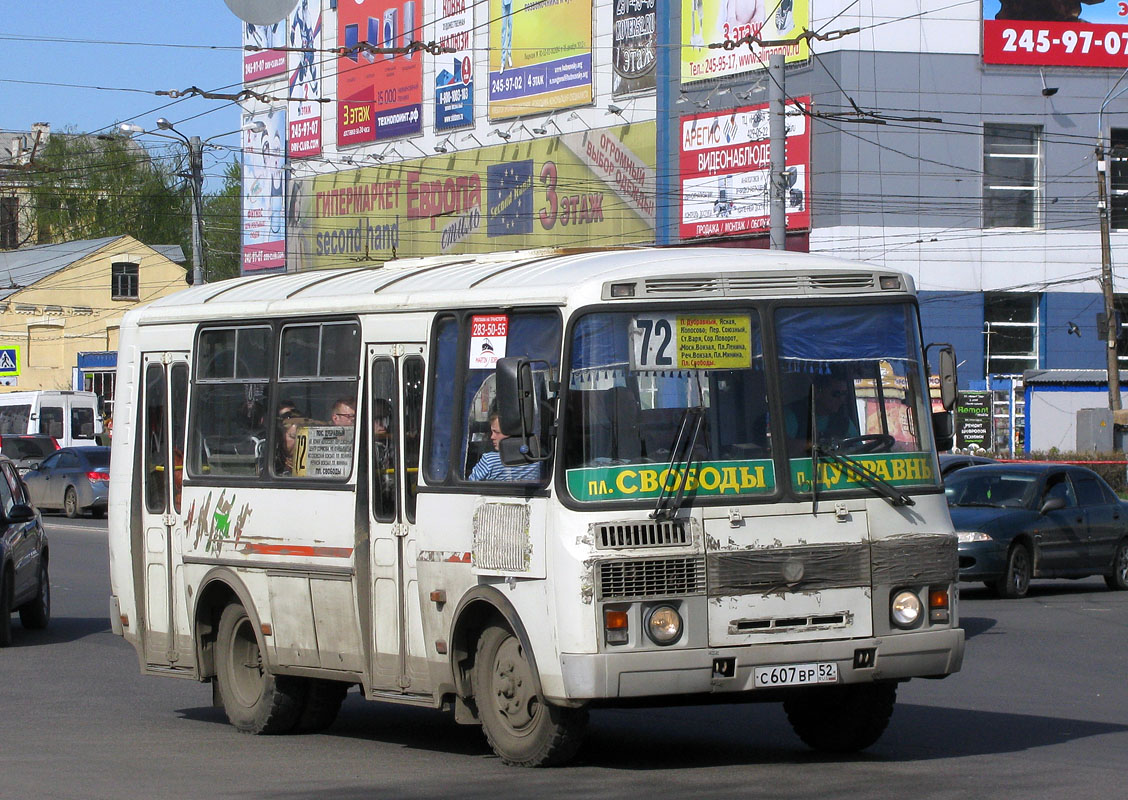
{"x":28,"y":449}
{"x":1021,"y":521}
{"x":24,"y":583}
{"x":950,"y":462}
{"x":73,"y":479}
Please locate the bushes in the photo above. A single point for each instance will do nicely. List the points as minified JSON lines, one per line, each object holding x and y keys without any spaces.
{"x":1110,"y":466}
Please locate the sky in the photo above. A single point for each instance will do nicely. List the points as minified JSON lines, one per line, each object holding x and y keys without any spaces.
{"x":88,"y":65}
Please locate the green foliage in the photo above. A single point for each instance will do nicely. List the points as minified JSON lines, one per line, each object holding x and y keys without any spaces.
{"x":88,"y":187}
{"x":222,"y":231}
{"x":1115,"y":473}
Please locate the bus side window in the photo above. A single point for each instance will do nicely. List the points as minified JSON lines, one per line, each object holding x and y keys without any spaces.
{"x":444,"y":369}
{"x":384,"y":436}
{"x":412,"y":422}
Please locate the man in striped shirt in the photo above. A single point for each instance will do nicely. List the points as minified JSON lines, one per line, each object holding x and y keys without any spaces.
{"x":490,"y":468}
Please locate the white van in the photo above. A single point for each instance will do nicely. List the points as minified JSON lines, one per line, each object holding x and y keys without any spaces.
{"x":71,"y":417}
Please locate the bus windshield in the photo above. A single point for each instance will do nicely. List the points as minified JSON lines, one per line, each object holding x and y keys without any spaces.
{"x":637,"y":377}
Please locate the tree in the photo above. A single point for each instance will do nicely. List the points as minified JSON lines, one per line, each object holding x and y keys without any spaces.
{"x":88,"y":187}
{"x":222,"y":226}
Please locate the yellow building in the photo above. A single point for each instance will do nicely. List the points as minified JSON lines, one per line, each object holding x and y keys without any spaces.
{"x":61,"y":305}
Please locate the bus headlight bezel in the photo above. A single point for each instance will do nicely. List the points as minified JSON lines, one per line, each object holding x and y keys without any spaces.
{"x":905,"y":609}
{"x":664,"y":625}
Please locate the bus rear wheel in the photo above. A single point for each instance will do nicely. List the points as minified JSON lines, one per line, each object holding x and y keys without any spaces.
{"x":255,"y":700}
{"x":521,"y":727}
{"x":841,"y":719}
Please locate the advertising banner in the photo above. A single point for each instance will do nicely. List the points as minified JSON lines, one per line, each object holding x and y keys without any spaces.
{"x":973,"y":420}
{"x":897,"y":469}
{"x":261,"y":64}
{"x":540,"y":56}
{"x":590,"y":187}
{"x":633,"y":46}
{"x":646,"y":481}
{"x":1066,"y":34}
{"x":706,"y":22}
{"x":304,"y":88}
{"x":454,"y":72}
{"x":264,"y":192}
{"x":725,"y":161}
{"x":380,"y":95}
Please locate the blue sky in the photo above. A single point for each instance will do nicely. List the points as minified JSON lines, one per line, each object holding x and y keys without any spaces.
{"x":123,"y":47}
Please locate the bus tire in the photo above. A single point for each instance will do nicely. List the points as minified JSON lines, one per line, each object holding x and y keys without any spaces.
{"x":522,"y":728}
{"x":255,"y":700}
{"x":322,"y":703}
{"x":841,"y":719}
{"x":36,"y":612}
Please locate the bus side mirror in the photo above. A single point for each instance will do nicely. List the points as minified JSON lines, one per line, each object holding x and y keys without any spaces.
{"x":943,"y":431}
{"x":948,"y":381}
{"x":518,"y":412}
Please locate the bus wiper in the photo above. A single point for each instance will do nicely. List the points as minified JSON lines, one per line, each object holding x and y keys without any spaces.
{"x":682,"y":451}
{"x":866,"y":475}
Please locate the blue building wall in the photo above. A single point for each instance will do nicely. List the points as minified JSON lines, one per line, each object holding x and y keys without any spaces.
{"x":956,"y":318}
{"x":1063,"y":350}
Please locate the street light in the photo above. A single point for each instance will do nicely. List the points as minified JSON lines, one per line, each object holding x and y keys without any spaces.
{"x":196,"y":176}
{"x":1111,"y":332}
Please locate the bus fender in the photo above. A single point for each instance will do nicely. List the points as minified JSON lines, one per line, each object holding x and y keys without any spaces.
{"x":218,"y":588}
{"x":478,"y":608}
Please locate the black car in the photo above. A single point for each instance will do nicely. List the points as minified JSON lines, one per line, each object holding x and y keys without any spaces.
{"x":1021,"y":521}
{"x":950,"y":462}
{"x":24,"y":582}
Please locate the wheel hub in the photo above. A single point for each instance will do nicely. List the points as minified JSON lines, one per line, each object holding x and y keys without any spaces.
{"x":516,"y":700}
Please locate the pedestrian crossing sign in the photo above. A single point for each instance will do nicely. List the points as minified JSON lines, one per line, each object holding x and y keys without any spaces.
{"x":9,"y":362}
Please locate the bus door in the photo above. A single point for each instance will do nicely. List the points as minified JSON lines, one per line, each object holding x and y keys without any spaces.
{"x":164,"y":407}
{"x":395,"y":411}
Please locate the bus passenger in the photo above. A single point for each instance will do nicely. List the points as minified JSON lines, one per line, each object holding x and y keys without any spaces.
{"x":490,"y":468}
{"x":344,"y":412}
{"x":287,"y":444}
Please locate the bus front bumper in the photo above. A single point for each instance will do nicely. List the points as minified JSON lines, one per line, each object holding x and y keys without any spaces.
{"x":652,"y":673}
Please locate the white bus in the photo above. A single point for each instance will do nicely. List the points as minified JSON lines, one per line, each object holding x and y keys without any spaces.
{"x":522,"y":485}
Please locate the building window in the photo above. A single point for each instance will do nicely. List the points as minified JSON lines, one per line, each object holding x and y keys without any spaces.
{"x":1118,"y":177}
{"x":1010,"y":323}
{"x":1012,"y":175}
{"x":9,"y":223}
{"x":123,"y":280}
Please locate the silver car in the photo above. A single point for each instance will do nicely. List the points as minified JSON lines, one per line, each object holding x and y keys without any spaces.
{"x":73,"y":479}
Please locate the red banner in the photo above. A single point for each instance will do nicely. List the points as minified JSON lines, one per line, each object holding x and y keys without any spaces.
{"x":1049,"y":44}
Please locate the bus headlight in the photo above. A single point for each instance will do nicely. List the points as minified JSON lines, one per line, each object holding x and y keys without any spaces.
{"x":663,"y":625}
{"x":905,"y":609}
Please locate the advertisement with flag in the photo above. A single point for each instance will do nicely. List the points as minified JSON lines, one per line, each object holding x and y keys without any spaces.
{"x":380,"y":94}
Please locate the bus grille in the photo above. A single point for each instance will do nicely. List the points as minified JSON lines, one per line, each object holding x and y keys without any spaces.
{"x":618,"y":535}
{"x":653,"y":577}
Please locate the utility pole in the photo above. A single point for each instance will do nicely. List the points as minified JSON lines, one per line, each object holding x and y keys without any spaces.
{"x":1112,"y":329}
{"x":777,"y":144}
{"x":196,"y":176}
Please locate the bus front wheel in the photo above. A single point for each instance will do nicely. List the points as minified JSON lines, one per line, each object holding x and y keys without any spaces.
{"x":255,"y":700}
{"x":841,"y":719}
{"x":520,"y":726}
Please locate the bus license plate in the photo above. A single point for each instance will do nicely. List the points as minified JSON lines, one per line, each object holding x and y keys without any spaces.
{"x":796,"y":675}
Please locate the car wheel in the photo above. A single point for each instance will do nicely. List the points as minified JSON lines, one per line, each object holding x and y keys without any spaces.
{"x":255,"y":700}
{"x":1015,"y":582}
{"x":520,"y":726}
{"x":841,"y":719}
{"x":6,"y":608}
{"x":70,"y":503}
{"x":1118,"y":579}
{"x":36,"y":613}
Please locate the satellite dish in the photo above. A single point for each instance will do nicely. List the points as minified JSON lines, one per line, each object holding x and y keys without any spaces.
{"x":261,"y":12}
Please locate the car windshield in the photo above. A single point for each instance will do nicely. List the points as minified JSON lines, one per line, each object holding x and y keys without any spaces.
{"x":992,"y":489}
{"x":20,"y":448}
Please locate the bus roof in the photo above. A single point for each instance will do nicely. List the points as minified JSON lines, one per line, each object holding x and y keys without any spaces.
{"x":521,"y":277}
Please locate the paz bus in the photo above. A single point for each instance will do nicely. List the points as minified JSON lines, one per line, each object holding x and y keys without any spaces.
{"x":520,"y":486}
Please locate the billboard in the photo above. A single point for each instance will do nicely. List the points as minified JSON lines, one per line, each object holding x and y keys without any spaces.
{"x":380,"y":95}
{"x":304,"y":86}
{"x":633,"y":46}
{"x":584,"y":188}
{"x":540,"y":56}
{"x":264,"y":192}
{"x":1055,"y":34}
{"x":706,"y":22}
{"x":263,"y":63}
{"x":454,"y":71}
{"x":724,"y":169}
